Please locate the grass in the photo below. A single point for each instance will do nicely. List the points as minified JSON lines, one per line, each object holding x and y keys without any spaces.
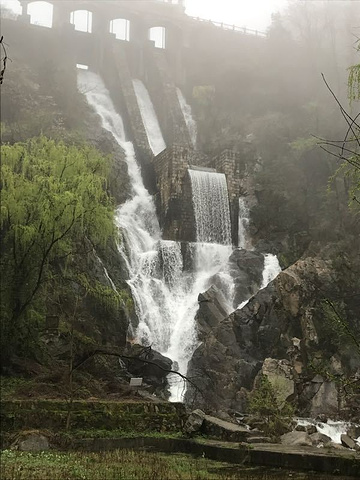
{"x":130,"y":465}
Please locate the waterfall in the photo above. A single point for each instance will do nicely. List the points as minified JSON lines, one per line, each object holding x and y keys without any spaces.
{"x":165,"y":295}
{"x":149,"y":118}
{"x":211,"y":207}
{"x":271,"y":269}
{"x":244,"y":218}
{"x":189,"y":120}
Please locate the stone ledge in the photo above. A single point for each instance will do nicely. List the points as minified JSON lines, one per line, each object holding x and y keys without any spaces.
{"x":346,"y":463}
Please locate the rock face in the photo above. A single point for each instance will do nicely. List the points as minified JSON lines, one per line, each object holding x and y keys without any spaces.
{"x":279,"y":374}
{"x":283,"y":332}
{"x":155,"y":372}
{"x":212,"y":310}
{"x":246,"y":268}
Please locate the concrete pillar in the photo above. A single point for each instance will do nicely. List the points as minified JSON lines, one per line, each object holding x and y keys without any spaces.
{"x":24,"y":17}
{"x":61,"y":16}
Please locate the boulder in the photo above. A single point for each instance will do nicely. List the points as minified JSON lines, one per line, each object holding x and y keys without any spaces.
{"x":155,"y":372}
{"x":325,"y":400}
{"x":194,"y":422}
{"x":296,"y":439}
{"x":348,"y":442}
{"x":32,"y":442}
{"x":319,"y":439}
{"x":354,"y":432}
{"x":309,"y":429}
{"x":223,"y":430}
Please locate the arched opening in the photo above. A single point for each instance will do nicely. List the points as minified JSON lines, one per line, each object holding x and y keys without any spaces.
{"x":41,"y":13}
{"x":121,"y":28}
{"x":82,"y":19}
{"x":158,"y":35}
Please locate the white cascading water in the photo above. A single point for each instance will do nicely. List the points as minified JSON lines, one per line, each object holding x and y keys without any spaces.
{"x":189,"y":119}
{"x":211,"y":207}
{"x":165,"y":295}
{"x":149,"y":118}
{"x":271,"y":269}
{"x":332,"y":429}
{"x":244,"y":219}
{"x":271,"y":263}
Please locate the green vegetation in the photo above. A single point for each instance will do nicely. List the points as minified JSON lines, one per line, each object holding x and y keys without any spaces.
{"x":54,"y":209}
{"x":119,"y":464}
{"x":276,"y":419}
{"x":132,"y":465}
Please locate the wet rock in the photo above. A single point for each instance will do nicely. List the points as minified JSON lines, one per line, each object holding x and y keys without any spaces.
{"x":296,"y":439}
{"x":319,"y":438}
{"x":246,"y":268}
{"x":354,"y":432}
{"x":148,"y":364}
{"x":322,"y":418}
{"x":348,"y":442}
{"x":212,"y":310}
{"x":280,"y":322}
{"x":309,"y":429}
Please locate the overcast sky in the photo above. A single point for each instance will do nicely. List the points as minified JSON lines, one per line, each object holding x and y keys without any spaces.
{"x":255,"y":14}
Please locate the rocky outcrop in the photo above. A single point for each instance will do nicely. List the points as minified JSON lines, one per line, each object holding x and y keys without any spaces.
{"x":279,"y":374}
{"x":212,"y":310}
{"x":282,"y":331}
{"x":148,"y":364}
{"x":246,"y":268}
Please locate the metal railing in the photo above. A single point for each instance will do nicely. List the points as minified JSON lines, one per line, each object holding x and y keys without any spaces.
{"x":234,"y":28}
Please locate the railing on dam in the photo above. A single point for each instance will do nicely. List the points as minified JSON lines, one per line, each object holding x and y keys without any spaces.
{"x":234,"y":28}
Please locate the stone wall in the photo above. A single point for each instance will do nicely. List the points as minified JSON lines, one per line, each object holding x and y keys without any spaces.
{"x":230,"y":163}
{"x":161,"y":86}
{"x":174,"y":201}
{"x":105,"y":415}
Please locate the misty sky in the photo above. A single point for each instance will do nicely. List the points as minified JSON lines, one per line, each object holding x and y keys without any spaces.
{"x":255,"y":14}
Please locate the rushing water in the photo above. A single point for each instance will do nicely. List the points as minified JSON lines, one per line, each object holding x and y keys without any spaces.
{"x":189,"y":119}
{"x":271,"y":269}
{"x":165,"y":295}
{"x":333,"y":429}
{"x":244,"y":219}
{"x":149,"y":118}
{"x":211,"y":207}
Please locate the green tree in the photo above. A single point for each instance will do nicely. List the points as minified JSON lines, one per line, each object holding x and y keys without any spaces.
{"x":54,"y":205}
{"x":276,"y":419}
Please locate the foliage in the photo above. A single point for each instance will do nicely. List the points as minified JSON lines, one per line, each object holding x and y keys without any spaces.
{"x":354,"y":79}
{"x":54,"y":203}
{"x":131,"y":465}
{"x":336,"y":320}
{"x":264,"y":403}
{"x":120,"y":464}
